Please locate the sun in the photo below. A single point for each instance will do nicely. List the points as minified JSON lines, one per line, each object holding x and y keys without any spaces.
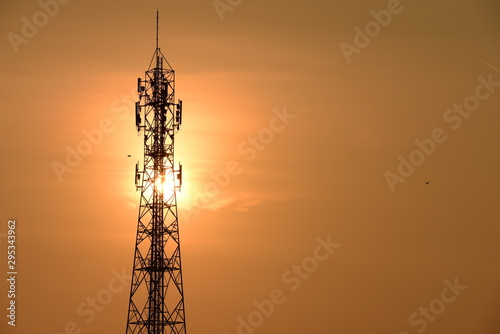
{"x":165,"y":185}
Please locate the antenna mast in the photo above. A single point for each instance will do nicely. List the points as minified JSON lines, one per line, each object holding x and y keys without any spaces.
{"x":156,"y":303}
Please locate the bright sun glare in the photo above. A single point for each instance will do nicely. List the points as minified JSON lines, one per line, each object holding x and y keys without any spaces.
{"x":165,"y":186}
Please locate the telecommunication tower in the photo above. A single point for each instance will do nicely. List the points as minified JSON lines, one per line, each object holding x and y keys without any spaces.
{"x":156,"y":303}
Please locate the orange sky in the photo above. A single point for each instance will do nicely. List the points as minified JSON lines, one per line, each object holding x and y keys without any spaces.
{"x":313,"y":106}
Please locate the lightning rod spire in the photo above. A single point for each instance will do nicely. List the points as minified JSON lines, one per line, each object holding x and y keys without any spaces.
{"x":157,"y":27}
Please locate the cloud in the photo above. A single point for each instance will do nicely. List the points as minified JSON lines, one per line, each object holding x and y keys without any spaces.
{"x":244,"y":201}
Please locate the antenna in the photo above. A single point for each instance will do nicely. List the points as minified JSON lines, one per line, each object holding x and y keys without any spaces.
{"x":157,"y":27}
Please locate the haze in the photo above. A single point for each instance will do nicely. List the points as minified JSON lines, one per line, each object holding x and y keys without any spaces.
{"x":341,"y":165}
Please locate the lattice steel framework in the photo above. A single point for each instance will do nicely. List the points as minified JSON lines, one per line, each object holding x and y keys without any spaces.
{"x":156,"y":296}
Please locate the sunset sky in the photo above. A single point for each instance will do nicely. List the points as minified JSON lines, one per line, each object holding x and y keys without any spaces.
{"x":341,"y":163}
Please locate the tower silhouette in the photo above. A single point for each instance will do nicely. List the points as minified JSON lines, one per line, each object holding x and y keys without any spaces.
{"x":156,"y":295}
